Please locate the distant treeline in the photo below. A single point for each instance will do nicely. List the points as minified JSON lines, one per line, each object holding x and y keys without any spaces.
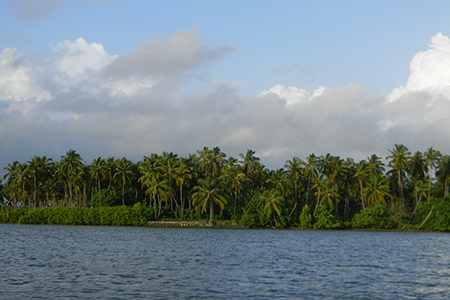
{"x":319,"y":191}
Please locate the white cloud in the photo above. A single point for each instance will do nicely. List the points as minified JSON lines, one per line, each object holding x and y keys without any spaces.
{"x":114,"y":106}
{"x":430,"y":70}
{"x":17,"y":77}
{"x":78,"y":59}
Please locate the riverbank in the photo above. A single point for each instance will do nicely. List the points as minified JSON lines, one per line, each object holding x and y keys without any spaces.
{"x":194,"y":224}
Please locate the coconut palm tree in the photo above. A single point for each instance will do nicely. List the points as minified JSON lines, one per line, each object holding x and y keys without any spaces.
{"x":318,"y":184}
{"x":443,"y":172}
{"x":376,"y":190}
{"x":398,"y":161}
{"x":98,"y":171}
{"x":361,"y":173}
{"x":182,"y":176}
{"x":208,"y":193}
{"x":294,"y":169}
{"x":12,"y":173}
{"x":68,"y":165}
{"x":417,"y":170}
{"x":274,"y":203}
{"x":432,"y":159}
{"x":310,"y":170}
{"x":375,"y":165}
{"x":124,"y":174}
{"x":248,"y":163}
{"x":157,"y":191}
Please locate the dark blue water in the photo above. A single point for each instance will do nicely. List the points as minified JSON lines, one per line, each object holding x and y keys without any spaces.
{"x":84,"y":262}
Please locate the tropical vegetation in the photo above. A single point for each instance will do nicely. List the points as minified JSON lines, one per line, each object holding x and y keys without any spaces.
{"x":401,"y":190}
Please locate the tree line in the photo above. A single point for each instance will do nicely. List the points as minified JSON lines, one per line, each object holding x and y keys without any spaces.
{"x":319,"y":191}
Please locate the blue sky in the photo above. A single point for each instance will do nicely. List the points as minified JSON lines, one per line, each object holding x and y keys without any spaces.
{"x":218,"y":57}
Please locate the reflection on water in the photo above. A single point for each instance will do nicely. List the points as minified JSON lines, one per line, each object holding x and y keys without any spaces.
{"x":68,"y":262}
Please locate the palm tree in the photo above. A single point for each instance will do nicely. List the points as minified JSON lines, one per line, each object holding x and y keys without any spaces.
{"x":12,"y":173}
{"x":294,"y":169}
{"x":330,"y":193}
{"x":68,"y":165}
{"x":417,"y":170}
{"x":398,"y":160}
{"x":34,"y":168}
{"x":169,"y":166}
{"x":376,"y":190}
{"x":319,"y":184}
{"x":233,"y":179}
{"x":361,"y":173}
{"x":208,"y":193}
{"x":124,"y":174}
{"x":443,"y":173}
{"x":310,"y":169}
{"x":432,"y":158}
{"x":274,"y":203}
{"x":110,"y":165}
{"x":278,"y":180}
{"x":182,"y":176}
{"x":98,"y":171}
{"x":157,"y":190}
{"x":375,"y":165}
{"x":248,"y":162}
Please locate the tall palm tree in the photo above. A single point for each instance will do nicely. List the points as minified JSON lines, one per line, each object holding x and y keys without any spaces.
{"x":110,"y":165}
{"x":248,"y":162}
{"x":361,"y":173}
{"x":417,"y":170}
{"x":310,"y":170}
{"x":157,"y":191}
{"x":278,"y":180}
{"x":68,"y":165}
{"x":375,"y":165}
{"x":169,"y":166}
{"x":233,"y":179}
{"x":294,"y":169}
{"x":432,"y":159}
{"x":274,"y":203}
{"x":208,"y":193}
{"x":398,"y":161}
{"x":318,"y":184}
{"x":124,"y":174}
{"x":182,"y":176}
{"x":376,"y":190}
{"x":98,"y":171}
{"x":443,"y":172}
{"x":12,"y":173}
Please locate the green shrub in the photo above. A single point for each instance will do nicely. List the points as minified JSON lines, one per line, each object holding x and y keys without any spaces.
{"x":305,"y":217}
{"x":325,"y":219}
{"x":377,"y":216}
{"x":439,"y":218}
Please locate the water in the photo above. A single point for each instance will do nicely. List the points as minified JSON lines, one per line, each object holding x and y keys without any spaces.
{"x":84,"y":262}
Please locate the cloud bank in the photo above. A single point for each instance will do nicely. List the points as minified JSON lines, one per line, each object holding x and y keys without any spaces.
{"x":136,"y":104}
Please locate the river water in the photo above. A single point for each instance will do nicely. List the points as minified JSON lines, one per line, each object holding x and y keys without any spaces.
{"x":87,"y":262}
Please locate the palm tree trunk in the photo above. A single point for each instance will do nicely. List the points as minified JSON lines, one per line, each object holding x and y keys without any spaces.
{"x":211,"y":212}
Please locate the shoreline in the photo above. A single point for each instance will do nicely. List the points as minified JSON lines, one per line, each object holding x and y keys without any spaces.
{"x":195,"y":224}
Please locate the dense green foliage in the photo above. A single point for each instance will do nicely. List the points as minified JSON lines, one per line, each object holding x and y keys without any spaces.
{"x":325,"y":219}
{"x":305,"y":217}
{"x":117,"y":215}
{"x":377,"y":217}
{"x":317,"y":192}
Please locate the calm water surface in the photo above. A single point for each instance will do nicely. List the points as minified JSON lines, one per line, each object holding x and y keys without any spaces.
{"x":84,"y":262}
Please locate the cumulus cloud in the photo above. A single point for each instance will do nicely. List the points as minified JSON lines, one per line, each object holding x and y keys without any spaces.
{"x":429,"y":71}
{"x":105,"y":105}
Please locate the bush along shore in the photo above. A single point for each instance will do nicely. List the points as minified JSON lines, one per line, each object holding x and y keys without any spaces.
{"x":401,"y":191}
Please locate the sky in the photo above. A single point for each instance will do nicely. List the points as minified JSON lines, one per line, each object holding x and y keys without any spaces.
{"x":283,"y":78}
